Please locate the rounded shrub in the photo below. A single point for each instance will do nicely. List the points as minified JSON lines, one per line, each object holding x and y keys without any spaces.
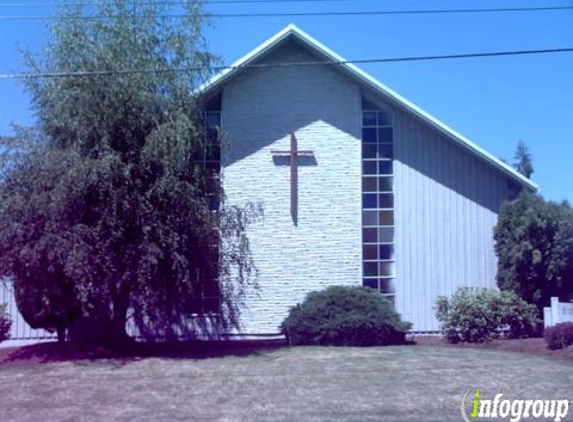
{"x":344,"y":316}
{"x":5,"y":324}
{"x":559,"y":336}
{"x":478,"y":315}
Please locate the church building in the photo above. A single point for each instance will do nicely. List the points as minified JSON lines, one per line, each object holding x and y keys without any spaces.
{"x":358,"y":185}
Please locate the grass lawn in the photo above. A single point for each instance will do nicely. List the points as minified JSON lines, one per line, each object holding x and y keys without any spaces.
{"x":409,"y":383}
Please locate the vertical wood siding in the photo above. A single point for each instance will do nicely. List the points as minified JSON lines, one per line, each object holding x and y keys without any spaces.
{"x":447,"y":201}
{"x":20,"y":330}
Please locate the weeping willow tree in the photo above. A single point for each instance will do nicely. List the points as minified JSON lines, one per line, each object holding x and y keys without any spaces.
{"x":106,"y":208}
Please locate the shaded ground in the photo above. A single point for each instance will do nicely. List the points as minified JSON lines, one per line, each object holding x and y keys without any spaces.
{"x":536,"y":346}
{"x":53,"y":352}
{"x":406,"y":383}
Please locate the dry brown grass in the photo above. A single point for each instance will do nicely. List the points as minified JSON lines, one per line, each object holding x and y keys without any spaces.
{"x":409,"y":383}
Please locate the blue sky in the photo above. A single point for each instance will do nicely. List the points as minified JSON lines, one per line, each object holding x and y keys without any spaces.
{"x":495,"y":102}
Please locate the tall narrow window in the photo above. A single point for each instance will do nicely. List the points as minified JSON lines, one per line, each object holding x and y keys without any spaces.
{"x":212,"y":153}
{"x":210,"y":289}
{"x":378,"y":200}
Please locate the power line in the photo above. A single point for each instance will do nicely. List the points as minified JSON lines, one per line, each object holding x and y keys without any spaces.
{"x":93,"y":4}
{"x":34,"y":75}
{"x":341,"y":13}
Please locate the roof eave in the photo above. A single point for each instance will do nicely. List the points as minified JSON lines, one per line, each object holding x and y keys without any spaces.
{"x":221,"y":77}
{"x":394,"y":97}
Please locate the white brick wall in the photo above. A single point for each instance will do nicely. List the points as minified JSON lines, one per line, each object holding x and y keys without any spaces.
{"x":322,"y":106}
{"x":446,"y":199}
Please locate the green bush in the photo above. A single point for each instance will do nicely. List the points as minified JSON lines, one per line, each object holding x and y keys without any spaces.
{"x":534,"y":248}
{"x":559,"y":336}
{"x":5,"y":324}
{"x":345,"y":316}
{"x":478,"y":315}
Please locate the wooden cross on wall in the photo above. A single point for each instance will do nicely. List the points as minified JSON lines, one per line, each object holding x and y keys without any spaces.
{"x":293,"y":154}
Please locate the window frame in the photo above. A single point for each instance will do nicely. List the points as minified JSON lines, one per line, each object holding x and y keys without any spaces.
{"x":206,"y":300}
{"x":389,"y":264}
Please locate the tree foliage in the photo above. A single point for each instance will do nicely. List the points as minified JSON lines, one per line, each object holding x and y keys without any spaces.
{"x":523,"y":162}
{"x":534,"y":247}
{"x":5,"y":323}
{"x":107,"y":206}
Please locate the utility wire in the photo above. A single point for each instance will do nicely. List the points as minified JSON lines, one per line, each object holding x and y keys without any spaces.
{"x":93,"y":4}
{"x":34,"y":75}
{"x":343,"y":13}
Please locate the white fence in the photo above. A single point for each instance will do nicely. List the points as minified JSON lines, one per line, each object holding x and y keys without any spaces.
{"x":19,"y":330}
{"x":557,"y":312}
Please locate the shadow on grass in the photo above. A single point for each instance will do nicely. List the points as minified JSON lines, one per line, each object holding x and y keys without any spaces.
{"x":533,"y":345}
{"x":65,"y":352}
{"x":126,"y":353}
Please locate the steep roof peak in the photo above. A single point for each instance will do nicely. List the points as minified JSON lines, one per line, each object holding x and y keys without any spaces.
{"x":355,"y":72}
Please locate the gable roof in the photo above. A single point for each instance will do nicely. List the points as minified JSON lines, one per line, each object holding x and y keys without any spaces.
{"x":293,"y":32}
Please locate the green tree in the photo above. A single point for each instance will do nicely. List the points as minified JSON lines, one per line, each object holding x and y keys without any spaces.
{"x":5,"y":323}
{"x":534,"y":247}
{"x":523,"y":162}
{"x":107,"y":207}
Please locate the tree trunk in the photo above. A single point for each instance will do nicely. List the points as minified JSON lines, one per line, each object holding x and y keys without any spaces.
{"x":117,"y":333}
{"x":61,"y":331}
